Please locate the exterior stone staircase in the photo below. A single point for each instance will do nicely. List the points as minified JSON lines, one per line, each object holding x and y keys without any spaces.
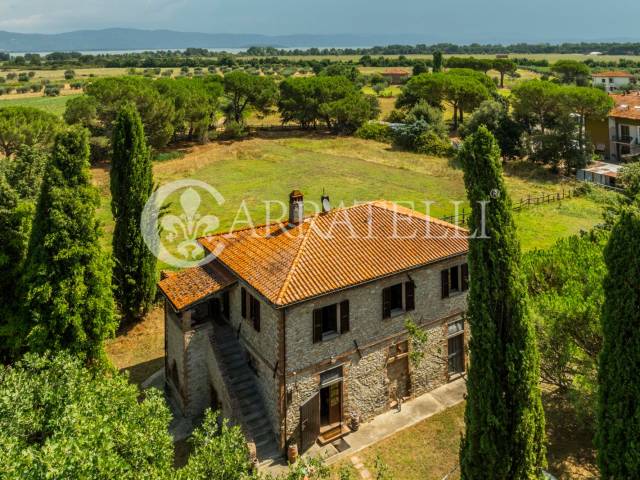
{"x":244,"y":392}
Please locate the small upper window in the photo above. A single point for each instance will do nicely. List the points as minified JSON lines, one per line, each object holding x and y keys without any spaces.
{"x":455,"y":279}
{"x":330,"y":320}
{"x":398,"y":298}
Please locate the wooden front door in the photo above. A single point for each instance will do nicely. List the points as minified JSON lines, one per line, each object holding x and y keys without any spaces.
{"x":331,"y":405}
{"x":399,"y":380}
{"x":309,"y":422}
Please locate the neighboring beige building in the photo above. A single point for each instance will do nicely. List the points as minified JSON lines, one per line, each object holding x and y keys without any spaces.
{"x":611,"y":81}
{"x":299,"y":326}
{"x":617,"y":138}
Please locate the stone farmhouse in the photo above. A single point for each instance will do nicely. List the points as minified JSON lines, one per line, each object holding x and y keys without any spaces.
{"x":299,"y":327}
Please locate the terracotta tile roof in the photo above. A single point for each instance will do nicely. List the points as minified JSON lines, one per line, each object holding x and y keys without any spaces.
{"x":193,"y":284}
{"x":395,"y":71}
{"x":617,"y":73}
{"x":627,"y":106}
{"x":335,"y":250}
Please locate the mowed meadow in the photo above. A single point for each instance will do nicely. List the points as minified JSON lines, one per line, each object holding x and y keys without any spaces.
{"x":267,"y":167}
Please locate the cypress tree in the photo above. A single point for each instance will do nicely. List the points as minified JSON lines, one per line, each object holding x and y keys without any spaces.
{"x":134,"y":271}
{"x":437,"y":62}
{"x":618,"y":426}
{"x":20,"y":181}
{"x":504,"y":436}
{"x":66,"y":283}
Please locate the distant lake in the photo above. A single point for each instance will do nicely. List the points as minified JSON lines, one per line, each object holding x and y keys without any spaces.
{"x":120,"y":52}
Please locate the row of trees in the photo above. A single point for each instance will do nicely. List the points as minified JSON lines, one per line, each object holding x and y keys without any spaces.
{"x":173,"y":109}
{"x":58,"y":281}
{"x":464,"y":89}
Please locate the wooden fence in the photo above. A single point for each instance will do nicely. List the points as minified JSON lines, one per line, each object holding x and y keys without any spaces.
{"x":462,"y":218}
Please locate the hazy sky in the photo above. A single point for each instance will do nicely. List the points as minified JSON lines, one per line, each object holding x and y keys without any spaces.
{"x":457,"y":20}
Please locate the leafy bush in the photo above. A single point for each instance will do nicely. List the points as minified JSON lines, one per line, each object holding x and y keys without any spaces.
{"x":375,"y":131}
{"x":406,"y":136}
{"x":431,"y":143}
{"x":495,"y":116}
{"x":51,"y":91}
{"x":69,"y":74}
{"x":60,"y":419}
{"x":396,"y":116}
{"x":233,"y":130}
{"x":565,"y":288}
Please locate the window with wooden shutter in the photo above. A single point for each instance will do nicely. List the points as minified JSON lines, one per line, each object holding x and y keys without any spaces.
{"x":409,"y":296}
{"x":386,"y":303}
{"x":444,"y":275}
{"x":344,"y":316}
{"x":465,"y":276}
{"x":243,"y":302}
{"x":317,"y":325}
{"x":255,"y":313}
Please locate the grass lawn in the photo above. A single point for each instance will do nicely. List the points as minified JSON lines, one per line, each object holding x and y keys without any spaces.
{"x":55,"y":105}
{"x":429,"y":450}
{"x":349,"y":169}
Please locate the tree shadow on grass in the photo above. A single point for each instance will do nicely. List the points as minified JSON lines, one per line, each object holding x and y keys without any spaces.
{"x":570,"y":451}
{"x":140,"y":372}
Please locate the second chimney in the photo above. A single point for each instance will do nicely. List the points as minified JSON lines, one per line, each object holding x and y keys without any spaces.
{"x":296,"y":207}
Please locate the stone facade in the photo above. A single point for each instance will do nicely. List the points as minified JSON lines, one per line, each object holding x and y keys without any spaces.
{"x":289,"y":364}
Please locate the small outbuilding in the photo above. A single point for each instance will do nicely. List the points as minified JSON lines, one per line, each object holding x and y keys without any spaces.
{"x":601,"y":173}
{"x":396,"y":76}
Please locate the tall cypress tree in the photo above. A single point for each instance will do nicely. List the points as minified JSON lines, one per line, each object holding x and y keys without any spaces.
{"x":437,"y":62}
{"x":134,"y":272}
{"x":504,"y":436}
{"x":66,"y":282}
{"x":618,"y":426}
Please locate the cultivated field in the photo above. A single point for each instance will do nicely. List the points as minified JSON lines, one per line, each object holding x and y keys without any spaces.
{"x":55,"y":105}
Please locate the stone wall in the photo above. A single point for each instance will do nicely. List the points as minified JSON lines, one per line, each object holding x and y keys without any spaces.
{"x":262,"y":346}
{"x":365,"y":384}
{"x":366,"y":322}
{"x":187,"y":347}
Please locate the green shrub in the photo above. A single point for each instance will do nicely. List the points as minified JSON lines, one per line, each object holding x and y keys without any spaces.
{"x":51,"y":91}
{"x":431,"y":143}
{"x":375,"y":131}
{"x":396,"y":116}
{"x":233,"y":130}
{"x":406,"y":136}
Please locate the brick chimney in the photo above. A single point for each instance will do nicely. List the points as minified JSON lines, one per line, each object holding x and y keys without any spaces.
{"x":296,"y":207}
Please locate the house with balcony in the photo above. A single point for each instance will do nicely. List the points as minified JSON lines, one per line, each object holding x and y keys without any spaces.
{"x":617,"y":139}
{"x":300,"y":326}
{"x":611,"y":81}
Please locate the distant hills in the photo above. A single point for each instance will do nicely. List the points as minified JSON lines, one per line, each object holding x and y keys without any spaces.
{"x":134,"y":39}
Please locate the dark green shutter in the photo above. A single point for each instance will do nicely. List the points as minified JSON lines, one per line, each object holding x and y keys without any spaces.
{"x":344,"y":316}
{"x":255,"y":303}
{"x":409,"y":296}
{"x":465,"y":276}
{"x":243,"y":302}
{"x":386,"y":303}
{"x":317,"y":325}
{"x":444,"y":275}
